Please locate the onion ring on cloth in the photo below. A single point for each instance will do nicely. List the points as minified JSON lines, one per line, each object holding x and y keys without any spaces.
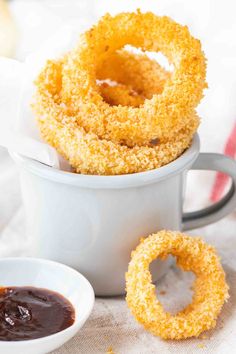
{"x":86,"y":152}
{"x":210,"y":288}
{"x":161,"y":116}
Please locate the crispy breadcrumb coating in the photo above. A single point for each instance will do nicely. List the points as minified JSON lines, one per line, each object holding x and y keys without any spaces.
{"x":137,"y":77}
{"x":121,"y":95}
{"x":137,"y":71}
{"x":210,"y":288}
{"x":86,"y":152}
{"x":66,"y":101}
{"x":161,"y":116}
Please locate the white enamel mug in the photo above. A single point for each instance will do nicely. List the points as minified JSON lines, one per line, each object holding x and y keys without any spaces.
{"x":92,"y":223}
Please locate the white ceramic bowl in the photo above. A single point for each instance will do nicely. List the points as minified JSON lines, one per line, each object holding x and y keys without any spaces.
{"x":53,"y":276}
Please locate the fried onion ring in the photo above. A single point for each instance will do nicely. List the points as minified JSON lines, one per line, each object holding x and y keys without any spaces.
{"x":121,"y":95}
{"x":161,"y":116}
{"x":138,"y":71}
{"x":86,"y":152}
{"x":137,"y":77}
{"x":210,"y":288}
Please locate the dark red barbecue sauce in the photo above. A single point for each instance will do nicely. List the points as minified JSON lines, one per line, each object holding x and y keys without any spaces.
{"x":30,"y":313}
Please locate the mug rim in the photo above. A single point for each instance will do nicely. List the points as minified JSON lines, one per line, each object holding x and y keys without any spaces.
{"x":112,"y":182}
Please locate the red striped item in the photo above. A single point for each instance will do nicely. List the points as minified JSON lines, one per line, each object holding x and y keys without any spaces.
{"x":222,"y":179}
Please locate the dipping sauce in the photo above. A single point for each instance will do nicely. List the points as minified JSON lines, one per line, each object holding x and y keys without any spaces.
{"x":30,"y":313}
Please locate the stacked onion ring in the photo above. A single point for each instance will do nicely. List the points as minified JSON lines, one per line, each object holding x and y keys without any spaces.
{"x":145,"y":119}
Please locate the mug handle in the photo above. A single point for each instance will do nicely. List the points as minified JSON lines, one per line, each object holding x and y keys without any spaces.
{"x":213,"y":162}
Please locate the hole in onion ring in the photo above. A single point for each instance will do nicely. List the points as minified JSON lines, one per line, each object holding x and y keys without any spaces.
{"x":159,"y":57}
{"x":181,"y":288}
{"x":130,"y":76}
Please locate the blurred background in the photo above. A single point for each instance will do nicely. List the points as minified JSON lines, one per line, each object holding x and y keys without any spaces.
{"x":26,"y":24}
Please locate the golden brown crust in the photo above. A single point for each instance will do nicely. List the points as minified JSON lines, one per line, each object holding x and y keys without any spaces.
{"x":66,"y":99}
{"x":210,"y":288}
{"x":86,"y":152}
{"x":137,"y":71}
{"x":120,"y":94}
{"x":159,"y":117}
